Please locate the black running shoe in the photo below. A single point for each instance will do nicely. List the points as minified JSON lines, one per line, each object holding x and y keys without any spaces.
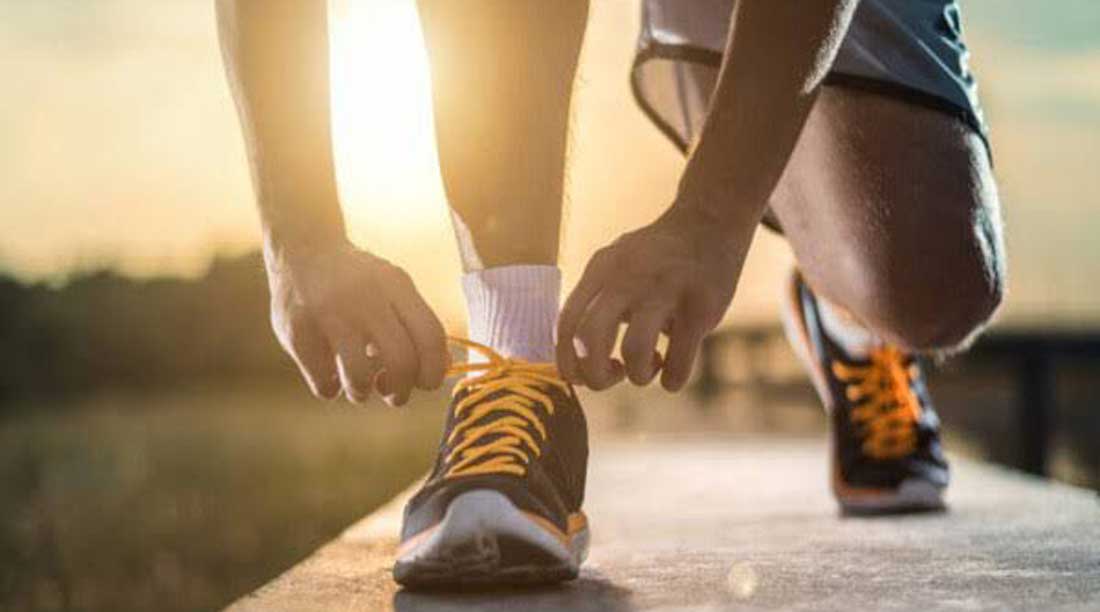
{"x":886,"y":448}
{"x":503,"y":503}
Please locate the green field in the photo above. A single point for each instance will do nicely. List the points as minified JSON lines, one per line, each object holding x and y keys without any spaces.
{"x":184,"y":500}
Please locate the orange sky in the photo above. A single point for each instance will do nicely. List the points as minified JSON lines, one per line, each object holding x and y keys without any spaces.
{"x":121,"y":146}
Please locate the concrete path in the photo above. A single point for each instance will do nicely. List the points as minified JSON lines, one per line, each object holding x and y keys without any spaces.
{"x":690,"y":524}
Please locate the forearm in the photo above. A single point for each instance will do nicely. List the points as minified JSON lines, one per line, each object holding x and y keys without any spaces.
{"x":777,"y":57}
{"x":276,"y":58}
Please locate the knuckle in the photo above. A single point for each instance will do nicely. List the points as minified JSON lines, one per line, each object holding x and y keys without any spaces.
{"x":402,"y":278}
{"x":653,"y":306}
{"x":395,"y":275}
{"x":602,"y":258}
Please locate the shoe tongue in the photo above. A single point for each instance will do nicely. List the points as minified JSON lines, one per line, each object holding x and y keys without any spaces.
{"x":854,"y":339}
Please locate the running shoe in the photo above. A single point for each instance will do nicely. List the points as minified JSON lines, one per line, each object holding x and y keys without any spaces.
{"x":886,"y":451}
{"x":502,"y":505}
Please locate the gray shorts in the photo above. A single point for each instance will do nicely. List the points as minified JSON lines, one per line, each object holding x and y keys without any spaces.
{"x":911,"y":49}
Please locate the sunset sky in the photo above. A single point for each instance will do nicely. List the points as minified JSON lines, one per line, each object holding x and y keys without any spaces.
{"x":120,"y":145}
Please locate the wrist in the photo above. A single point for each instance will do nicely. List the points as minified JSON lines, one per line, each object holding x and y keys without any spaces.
{"x":305,"y":217}
{"x":282,"y":248}
{"x":730,"y":205}
{"x":307,"y":236}
{"x":708,"y":235}
{"x":729,"y":222}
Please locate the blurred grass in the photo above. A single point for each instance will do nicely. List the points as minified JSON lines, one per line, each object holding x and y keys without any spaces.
{"x":185,"y":499}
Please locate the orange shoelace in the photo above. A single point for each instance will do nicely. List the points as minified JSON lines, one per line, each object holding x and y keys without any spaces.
{"x":519,"y":386}
{"x":888,"y":408}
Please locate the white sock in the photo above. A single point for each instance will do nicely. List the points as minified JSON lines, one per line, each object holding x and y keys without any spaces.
{"x":513,"y":310}
{"x":854,"y":338}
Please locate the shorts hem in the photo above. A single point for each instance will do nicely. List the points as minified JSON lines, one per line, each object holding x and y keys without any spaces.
{"x":890,"y":89}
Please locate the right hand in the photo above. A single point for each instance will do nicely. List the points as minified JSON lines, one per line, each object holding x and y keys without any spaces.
{"x":355,"y":322}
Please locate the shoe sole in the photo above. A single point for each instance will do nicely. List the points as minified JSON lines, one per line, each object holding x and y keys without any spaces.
{"x":912,"y":495}
{"x":483,"y":540}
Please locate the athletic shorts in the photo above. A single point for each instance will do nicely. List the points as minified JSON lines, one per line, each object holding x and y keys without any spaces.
{"x":910,"y":49}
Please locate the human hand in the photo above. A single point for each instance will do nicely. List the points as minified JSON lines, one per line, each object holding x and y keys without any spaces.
{"x":675,"y":276}
{"x":353,"y":321}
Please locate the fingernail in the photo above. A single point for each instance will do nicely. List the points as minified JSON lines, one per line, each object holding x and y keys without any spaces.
{"x":395,"y":400}
{"x":580,"y":348}
{"x":355,"y":398}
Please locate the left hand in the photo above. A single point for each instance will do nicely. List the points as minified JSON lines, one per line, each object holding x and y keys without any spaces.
{"x":675,"y":276}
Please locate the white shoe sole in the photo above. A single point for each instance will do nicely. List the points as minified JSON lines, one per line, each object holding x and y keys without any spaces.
{"x":484,"y":539}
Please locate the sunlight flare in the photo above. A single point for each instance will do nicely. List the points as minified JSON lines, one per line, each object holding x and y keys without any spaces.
{"x":382,"y":119}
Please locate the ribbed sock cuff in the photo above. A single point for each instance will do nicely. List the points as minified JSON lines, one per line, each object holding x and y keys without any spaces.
{"x":513,"y":309}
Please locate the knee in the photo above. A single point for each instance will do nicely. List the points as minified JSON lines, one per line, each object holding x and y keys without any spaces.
{"x":950,"y":325}
{"x":938,"y":305}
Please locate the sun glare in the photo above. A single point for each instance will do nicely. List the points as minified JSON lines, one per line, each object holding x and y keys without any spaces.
{"x":383,"y":136}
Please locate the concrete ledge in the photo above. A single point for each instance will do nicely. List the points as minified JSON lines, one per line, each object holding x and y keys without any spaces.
{"x":734,"y":523}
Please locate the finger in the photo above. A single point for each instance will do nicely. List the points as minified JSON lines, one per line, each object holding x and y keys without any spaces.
{"x":683,"y":344}
{"x":427,"y":335}
{"x":639,"y":348}
{"x":311,"y":352}
{"x":596,"y":337}
{"x":355,"y":368}
{"x":398,"y":355}
{"x":573,"y":311}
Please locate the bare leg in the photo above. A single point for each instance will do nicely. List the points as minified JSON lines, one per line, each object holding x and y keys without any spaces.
{"x":502,"y":82}
{"x":892,"y":212}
